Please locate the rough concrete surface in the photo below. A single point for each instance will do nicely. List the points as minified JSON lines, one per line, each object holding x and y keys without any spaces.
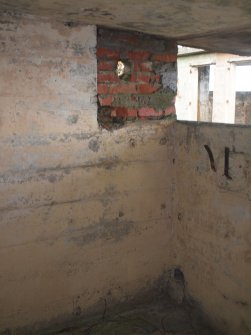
{"x":73,"y":197}
{"x":213,"y":218}
{"x":88,"y":215}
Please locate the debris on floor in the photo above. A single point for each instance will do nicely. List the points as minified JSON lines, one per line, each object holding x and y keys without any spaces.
{"x":159,"y":318}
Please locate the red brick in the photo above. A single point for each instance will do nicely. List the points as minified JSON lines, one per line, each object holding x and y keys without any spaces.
{"x":133,"y":77}
{"x":145,"y":78}
{"x":119,"y":112}
{"x":170,"y":110}
{"x":123,"y":88}
{"x":132,"y":112}
{"x":143,"y":66}
{"x":106,"y":66}
{"x":124,"y":112}
{"x":107,"y":53}
{"x":139,"y":55}
{"x":106,"y":100}
{"x":165,"y":57}
{"x":147,"y":89}
{"x":127,"y":38}
{"x":107,"y":77}
{"x":148,"y":112}
{"x":140,"y":77}
{"x":103,"y":89}
{"x":155,"y":79}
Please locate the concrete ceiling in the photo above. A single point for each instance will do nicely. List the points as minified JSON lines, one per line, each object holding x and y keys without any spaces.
{"x":218,"y":25}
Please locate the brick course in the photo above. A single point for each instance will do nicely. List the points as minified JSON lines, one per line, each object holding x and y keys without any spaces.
{"x":144,"y":94}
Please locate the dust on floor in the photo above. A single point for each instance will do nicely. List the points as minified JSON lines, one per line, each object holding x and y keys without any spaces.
{"x":159,"y":318}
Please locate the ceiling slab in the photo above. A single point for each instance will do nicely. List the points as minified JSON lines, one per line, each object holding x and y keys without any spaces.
{"x":218,"y":25}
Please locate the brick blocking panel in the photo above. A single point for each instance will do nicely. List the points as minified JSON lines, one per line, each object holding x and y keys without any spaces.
{"x":149,"y":91}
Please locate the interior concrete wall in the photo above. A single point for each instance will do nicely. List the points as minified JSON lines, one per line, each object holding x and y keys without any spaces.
{"x":88,"y":215}
{"x":213,"y":216}
{"x":85,"y":214}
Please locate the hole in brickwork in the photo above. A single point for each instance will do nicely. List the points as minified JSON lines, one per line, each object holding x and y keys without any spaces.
{"x":136,"y":78}
{"x":123,"y":70}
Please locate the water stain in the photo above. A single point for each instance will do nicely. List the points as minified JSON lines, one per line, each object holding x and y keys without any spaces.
{"x":94,"y":145}
{"x":105,"y":230}
{"x":72,"y":119}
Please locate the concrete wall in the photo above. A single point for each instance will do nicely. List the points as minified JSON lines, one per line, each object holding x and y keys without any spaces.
{"x":213,"y":221}
{"x":88,"y":214}
{"x":84,"y":213}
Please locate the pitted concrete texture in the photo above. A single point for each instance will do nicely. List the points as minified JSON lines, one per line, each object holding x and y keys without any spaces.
{"x":89,"y":215}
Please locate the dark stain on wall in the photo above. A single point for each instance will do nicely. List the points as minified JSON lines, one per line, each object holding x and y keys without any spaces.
{"x":106,"y":230}
{"x":94,"y":145}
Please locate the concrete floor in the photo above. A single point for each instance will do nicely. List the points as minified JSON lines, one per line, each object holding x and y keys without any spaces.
{"x":159,"y":318}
